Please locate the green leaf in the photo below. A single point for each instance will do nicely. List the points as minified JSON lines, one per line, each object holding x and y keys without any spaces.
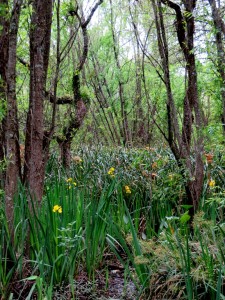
{"x":187,"y":206}
{"x":34,"y":277}
{"x":185,"y":218}
{"x":125,"y":219}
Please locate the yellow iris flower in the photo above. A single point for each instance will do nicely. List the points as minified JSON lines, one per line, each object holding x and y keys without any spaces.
{"x":127,"y":189}
{"x":212,"y":183}
{"x":111,"y":172}
{"x":70,"y":183}
{"x":69,"y":180}
{"x":57,"y":208}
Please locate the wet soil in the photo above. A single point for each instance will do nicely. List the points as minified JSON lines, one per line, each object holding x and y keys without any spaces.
{"x":114,"y":287}
{"x":109,"y":283}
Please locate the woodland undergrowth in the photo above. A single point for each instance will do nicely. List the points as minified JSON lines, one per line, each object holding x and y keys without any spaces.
{"x":128,"y":205}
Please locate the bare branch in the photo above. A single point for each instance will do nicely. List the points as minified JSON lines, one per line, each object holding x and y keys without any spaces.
{"x":92,"y":13}
{"x":179,"y":24}
{"x":23,"y":62}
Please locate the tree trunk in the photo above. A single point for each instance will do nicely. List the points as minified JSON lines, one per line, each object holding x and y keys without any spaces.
{"x":40,"y":34}
{"x":139,"y":125}
{"x":10,"y":138}
{"x":127,"y":141}
{"x":2,"y":154}
{"x":139,"y":130}
{"x":195,"y":182}
{"x":219,"y":32}
{"x":181,"y":145}
{"x":79,"y":104}
{"x":4,"y":27}
{"x":65,"y":153}
{"x":13,"y":171}
{"x":75,"y":123}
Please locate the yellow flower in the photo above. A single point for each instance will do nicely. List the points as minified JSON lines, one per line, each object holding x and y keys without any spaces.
{"x":212,"y":183}
{"x":57,"y":208}
{"x":127,"y":189}
{"x":69,"y":180}
{"x":70,"y":183}
{"x":111,"y":172}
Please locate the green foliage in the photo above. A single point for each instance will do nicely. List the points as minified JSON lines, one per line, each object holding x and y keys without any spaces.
{"x":130,"y":200}
{"x":9,"y":261}
{"x":124,"y":201}
{"x":4,"y":11}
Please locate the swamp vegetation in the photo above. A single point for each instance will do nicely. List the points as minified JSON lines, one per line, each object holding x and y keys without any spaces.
{"x":112,"y":152}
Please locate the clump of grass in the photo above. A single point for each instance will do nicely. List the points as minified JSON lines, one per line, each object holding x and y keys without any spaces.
{"x":182,"y":266}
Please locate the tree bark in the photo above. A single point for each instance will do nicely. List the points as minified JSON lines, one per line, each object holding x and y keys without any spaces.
{"x":174,"y":138}
{"x":10,"y":149}
{"x":185,"y":25}
{"x":40,"y":34}
{"x":2,"y":153}
{"x":219,"y":32}
{"x":79,"y":104}
{"x":13,"y":171}
{"x":75,"y":123}
{"x":4,"y":28}
{"x":48,"y":134}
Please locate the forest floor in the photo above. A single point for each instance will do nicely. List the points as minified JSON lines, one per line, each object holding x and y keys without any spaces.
{"x":109,"y":283}
{"x":113,"y":288}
